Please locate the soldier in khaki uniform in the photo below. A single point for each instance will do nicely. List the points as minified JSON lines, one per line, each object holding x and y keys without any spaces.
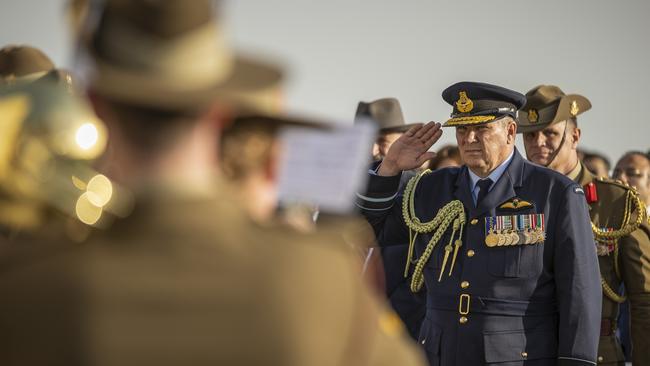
{"x":551,"y":135}
{"x":187,"y":278}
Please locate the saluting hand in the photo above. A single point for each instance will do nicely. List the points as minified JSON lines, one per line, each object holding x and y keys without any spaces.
{"x":411,"y":150}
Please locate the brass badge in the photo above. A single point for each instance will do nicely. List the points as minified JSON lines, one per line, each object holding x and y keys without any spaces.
{"x":574,"y":108}
{"x":464,"y":104}
{"x":533,"y":117}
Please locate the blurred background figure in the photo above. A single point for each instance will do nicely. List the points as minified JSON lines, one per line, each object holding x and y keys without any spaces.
{"x":386,"y":113}
{"x":597,"y":163}
{"x":447,"y":156}
{"x":633,"y":169}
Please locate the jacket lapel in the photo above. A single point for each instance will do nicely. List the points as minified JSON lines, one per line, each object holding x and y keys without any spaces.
{"x":462,"y":191}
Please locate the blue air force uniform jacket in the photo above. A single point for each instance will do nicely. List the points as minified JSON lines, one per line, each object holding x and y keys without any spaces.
{"x":526,"y":304}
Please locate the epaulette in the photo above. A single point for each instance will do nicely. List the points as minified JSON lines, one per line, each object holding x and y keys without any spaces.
{"x":614,"y":182}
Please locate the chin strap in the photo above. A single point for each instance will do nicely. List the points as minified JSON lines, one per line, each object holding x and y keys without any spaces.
{"x":557,"y":151}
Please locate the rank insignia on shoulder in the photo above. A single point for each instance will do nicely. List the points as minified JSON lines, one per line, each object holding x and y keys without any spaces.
{"x":514,"y":230}
{"x":578,"y":190}
{"x":515,"y":204}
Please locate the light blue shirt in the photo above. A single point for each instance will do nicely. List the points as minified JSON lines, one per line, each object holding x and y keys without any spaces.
{"x":495,"y":175}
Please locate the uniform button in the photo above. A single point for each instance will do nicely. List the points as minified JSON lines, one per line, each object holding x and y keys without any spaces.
{"x":470,"y":253}
{"x":463,"y":320}
{"x":424,"y":341}
{"x":474,"y":221}
{"x":464,"y":284}
{"x":524,"y":354}
{"x":600,"y":358}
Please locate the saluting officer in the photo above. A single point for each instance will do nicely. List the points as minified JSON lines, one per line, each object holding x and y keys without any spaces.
{"x":549,"y":123}
{"x":503,"y":247}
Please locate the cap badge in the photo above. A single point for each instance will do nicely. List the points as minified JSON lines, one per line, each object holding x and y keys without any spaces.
{"x":574,"y":108}
{"x":464,"y":104}
{"x":533,"y":117}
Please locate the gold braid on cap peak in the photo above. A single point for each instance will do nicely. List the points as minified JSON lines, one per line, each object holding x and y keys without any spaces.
{"x":452,"y":211}
{"x":631,"y":199}
{"x":469,"y":120}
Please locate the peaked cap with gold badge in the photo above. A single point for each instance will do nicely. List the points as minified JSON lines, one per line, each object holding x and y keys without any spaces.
{"x":165,"y":54}
{"x":386,"y":113}
{"x":478,"y":103}
{"x":546,"y":105}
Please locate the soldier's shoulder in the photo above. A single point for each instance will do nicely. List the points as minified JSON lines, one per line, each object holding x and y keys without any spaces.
{"x":611,"y":196}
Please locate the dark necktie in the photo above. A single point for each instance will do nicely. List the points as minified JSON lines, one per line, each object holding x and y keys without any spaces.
{"x":484,"y":185}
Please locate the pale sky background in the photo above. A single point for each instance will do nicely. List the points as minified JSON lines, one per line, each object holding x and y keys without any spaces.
{"x":341,"y":51}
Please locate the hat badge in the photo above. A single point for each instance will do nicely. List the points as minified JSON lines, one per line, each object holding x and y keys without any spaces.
{"x":574,"y":108}
{"x":533,"y":117}
{"x":464,"y":104}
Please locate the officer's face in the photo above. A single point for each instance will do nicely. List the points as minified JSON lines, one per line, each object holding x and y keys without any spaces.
{"x":484,"y":147}
{"x":635,"y":171}
{"x":542,"y":145}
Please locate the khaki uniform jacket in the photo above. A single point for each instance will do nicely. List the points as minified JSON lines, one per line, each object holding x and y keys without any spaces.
{"x":633,"y":271}
{"x":191,"y":281}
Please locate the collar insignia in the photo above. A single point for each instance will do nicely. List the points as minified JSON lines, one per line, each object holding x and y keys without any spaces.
{"x":464,"y":104}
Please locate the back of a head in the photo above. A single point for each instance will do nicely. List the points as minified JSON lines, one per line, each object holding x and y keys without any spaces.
{"x":158,"y":66}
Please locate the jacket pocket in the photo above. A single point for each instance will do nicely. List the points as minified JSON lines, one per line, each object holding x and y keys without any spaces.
{"x":519,"y":346}
{"x":430,"y":336}
{"x":522,"y":260}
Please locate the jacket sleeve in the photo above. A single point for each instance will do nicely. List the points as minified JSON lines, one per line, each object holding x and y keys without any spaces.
{"x":577,"y":280}
{"x":381,"y":205}
{"x":635,"y":272}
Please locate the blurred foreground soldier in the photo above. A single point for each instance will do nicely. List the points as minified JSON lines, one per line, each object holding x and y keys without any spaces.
{"x":502,"y":246}
{"x":551,"y":135}
{"x":387,"y":114}
{"x":596,"y":164}
{"x":187,"y":278}
{"x":250,"y":157}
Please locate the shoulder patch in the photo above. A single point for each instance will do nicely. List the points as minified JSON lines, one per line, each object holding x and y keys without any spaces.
{"x":578,"y":190}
